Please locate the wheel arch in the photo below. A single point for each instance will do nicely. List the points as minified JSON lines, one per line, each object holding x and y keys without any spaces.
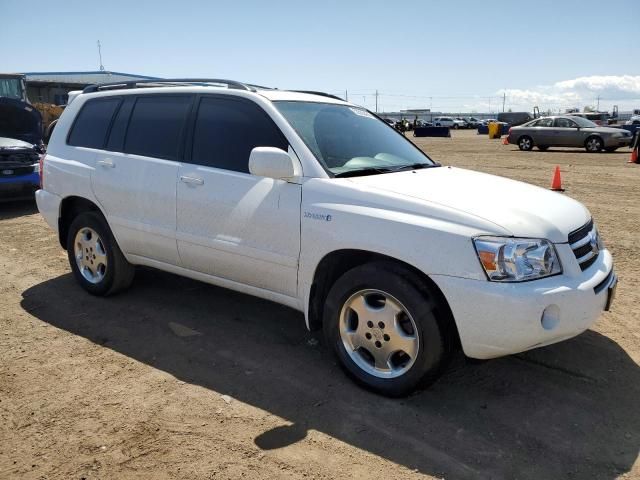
{"x":593,"y":135}
{"x":336,"y":263}
{"x":70,"y":208}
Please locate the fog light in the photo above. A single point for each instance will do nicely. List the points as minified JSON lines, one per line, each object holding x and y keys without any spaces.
{"x":550,"y":317}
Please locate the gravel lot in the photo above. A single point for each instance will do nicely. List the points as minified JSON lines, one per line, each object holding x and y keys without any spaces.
{"x":179,"y":379}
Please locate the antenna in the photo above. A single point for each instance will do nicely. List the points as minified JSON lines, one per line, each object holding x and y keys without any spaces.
{"x":100,"y":55}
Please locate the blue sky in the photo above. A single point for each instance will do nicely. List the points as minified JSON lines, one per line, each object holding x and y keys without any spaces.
{"x":452,"y":55}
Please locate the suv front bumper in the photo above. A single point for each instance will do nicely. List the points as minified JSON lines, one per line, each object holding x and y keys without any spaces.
{"x":496,"y":319}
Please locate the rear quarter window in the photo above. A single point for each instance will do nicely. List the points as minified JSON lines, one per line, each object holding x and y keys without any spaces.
{"x":92,"y":123}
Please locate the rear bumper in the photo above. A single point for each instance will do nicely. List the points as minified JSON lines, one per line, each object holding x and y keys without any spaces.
{"x":496,"y":319}
{"x":49,"y":207}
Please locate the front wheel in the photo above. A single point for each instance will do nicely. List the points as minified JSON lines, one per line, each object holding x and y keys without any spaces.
{"x":387,"y":329}
{"x":525,"y":143}
{"x":95,"y":258}
{"x":593,"y":144}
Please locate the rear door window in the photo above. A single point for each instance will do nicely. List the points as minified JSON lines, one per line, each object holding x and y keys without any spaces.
{"x":226,"y":130}
{"x":92,"y":123}
{"x":157,"y":125}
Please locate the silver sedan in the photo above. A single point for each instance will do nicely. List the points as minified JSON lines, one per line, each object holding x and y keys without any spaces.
{"x":568,"y":131}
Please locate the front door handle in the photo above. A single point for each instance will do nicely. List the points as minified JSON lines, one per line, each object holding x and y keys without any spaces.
{"x":107,"y":162}
{"x":191,"y":180}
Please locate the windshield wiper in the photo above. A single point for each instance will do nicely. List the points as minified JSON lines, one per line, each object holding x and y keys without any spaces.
{"x":374,"y":170}
{"x":363,"y":171}
{"x":415,"y":166}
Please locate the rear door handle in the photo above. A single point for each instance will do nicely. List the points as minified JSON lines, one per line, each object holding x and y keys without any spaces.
{"x":107,"y":162}
{"x":191,"y":180}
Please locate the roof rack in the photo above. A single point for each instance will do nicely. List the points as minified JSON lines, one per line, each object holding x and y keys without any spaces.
{"x":322,"y":94}
{"x":166,"y":82}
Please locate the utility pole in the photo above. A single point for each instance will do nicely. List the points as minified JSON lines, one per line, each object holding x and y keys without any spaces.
{"x":598,"y":107}
{"x":504,"y":99}
{"x":100,"y":56}
{"x":376,"y":101}
{"x":346,"y":96}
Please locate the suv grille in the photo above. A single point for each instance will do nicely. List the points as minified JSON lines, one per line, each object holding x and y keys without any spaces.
{"x":584,"y":243}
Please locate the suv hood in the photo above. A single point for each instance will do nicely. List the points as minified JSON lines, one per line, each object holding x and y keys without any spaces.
{"x":520,"y":208}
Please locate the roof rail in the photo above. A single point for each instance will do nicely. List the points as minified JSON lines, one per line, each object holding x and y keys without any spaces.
{"x":166,"y":82}
{"x":322,"y":94}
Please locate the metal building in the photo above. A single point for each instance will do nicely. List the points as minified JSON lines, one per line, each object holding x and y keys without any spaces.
{"x":54,"y":87}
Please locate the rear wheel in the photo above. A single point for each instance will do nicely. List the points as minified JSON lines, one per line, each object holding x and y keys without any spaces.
{"x":385,"y":327}
{"x":593,"y":144}
{"x":525,"y":143}
{"x":95,"y":258}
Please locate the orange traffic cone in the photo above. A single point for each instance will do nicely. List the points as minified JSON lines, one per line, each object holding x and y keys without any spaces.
{"x":556,"y":183}
{"x":634,"y":156}
{"x":505,"y":141}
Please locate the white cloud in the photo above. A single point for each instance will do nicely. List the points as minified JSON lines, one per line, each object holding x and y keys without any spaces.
{"x":623,"y":90}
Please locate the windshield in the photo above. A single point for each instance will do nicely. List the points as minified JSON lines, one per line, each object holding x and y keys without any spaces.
{"x":583,"y":122}
{"x":11,"y":87}
{"x":348,"y":139}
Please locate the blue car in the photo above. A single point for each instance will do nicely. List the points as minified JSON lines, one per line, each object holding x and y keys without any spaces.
{"x":19,"y":168}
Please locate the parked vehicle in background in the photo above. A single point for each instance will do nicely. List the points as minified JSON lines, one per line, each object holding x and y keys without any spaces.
{"x":515,"y":118}
{"x":473,"y":122}
{"x":390,"y":121}
{"x":19,"y":168}
{"x":449,"y":122}
{"x":314,"y":203}
{"x":568,"y":131}
{"x":18,"y":118}
{"x":634,"y":120}
{"x":424,"y":123}
{"x":487,"y":121}
{"x":599,"y":118}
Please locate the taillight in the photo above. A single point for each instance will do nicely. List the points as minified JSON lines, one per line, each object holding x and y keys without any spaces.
{"x":41,"y":163}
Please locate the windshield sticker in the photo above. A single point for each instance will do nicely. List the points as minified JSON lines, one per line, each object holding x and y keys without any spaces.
{"x":361,"y":112}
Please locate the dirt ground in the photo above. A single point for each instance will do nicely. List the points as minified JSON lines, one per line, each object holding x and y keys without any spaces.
{"x":179,"y":379}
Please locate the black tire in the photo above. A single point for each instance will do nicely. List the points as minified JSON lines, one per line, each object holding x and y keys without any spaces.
{"x":543,"y":148}
{"x":117,"y":274}
{"x":525,"y":143}
{"x":437,"y":124}
{"x":434,"y":334}
{"x":593,"y":144}
{"x":610,"y":149}
{"x":455,"y":126}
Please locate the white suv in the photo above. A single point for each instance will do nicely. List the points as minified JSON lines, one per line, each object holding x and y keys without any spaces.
{"x":315,"y":203}
{"x":449,"y":122}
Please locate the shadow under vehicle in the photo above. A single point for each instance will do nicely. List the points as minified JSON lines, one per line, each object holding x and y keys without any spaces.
{"x":569,"y":410}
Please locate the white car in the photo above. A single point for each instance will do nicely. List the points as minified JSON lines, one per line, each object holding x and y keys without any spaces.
{"x":449,"y":122}
{"x":315,"y":203}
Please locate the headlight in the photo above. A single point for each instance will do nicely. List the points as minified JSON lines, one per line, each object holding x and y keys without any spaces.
{"x":517,"y":259}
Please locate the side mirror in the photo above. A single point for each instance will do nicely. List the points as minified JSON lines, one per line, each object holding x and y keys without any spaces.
{"x":271,"y":162}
